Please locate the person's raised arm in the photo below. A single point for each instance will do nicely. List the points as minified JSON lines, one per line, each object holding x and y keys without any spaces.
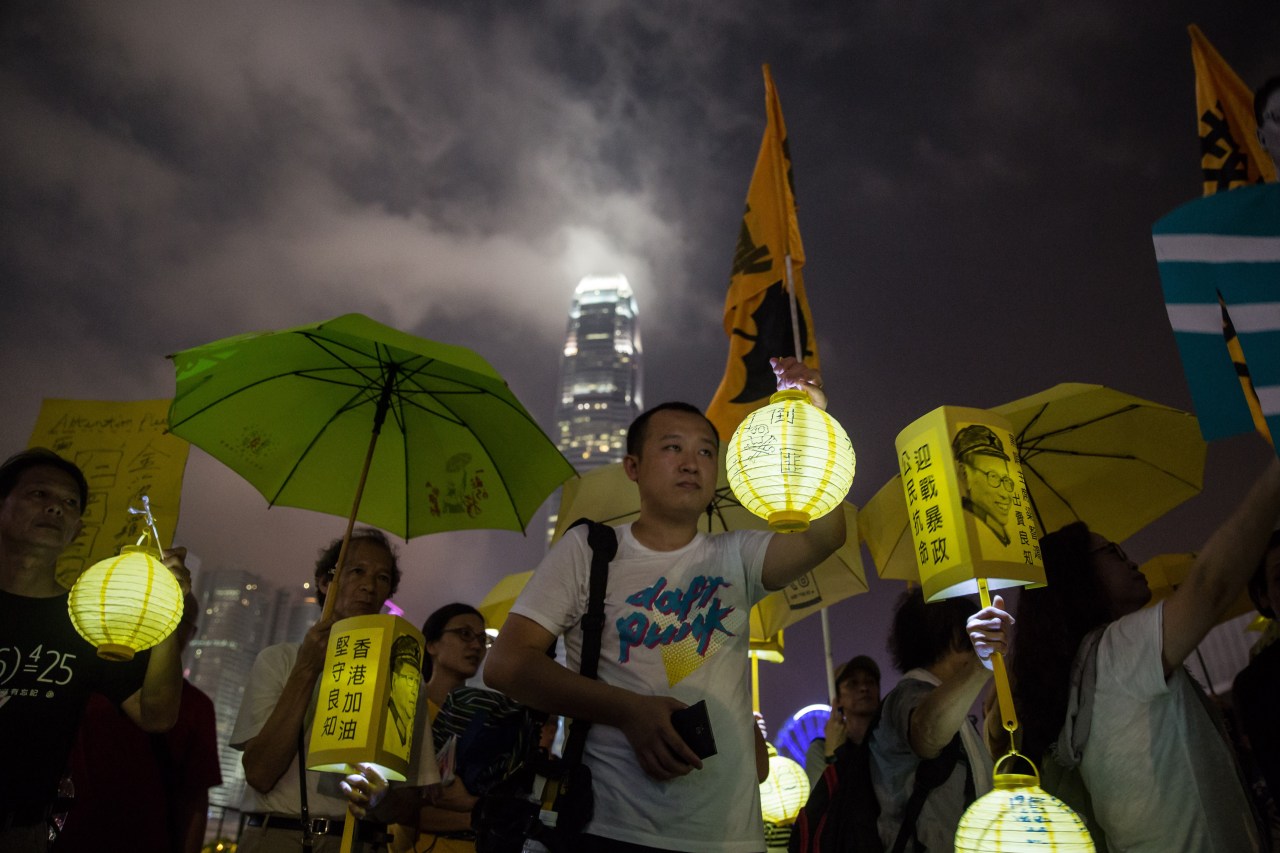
{"x":1221,"y":570}
{"x":791,"y":555}
{"x":154,"y":707}
{"x":268,"y":754}
{"x":519,"y":667}
{"x":939,"y":716}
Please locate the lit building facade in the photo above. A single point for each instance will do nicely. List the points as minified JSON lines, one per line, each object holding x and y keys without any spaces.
{"x":600,"y":375}
{"x":238,"y":619}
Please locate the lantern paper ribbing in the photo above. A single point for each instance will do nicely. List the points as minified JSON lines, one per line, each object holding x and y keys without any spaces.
{"x":125,"y":604}
{"x":1018,"y":816}
{"x":789,"y":462}
{"x":785,"y":792}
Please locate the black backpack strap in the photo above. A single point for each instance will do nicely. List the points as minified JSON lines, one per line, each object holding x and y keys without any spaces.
{"x":603,"y":540}
{"x":930,"y":773}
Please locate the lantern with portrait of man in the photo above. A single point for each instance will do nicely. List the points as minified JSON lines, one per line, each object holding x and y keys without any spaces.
{"x":969,"y":512}
{"x":368,"y":696}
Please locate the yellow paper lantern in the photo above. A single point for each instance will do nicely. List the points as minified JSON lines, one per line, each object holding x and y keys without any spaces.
{"x":126,"y":603}
{"x":789,"y":462}
{"x":785,"y":792}
{"x":1018,"y":815}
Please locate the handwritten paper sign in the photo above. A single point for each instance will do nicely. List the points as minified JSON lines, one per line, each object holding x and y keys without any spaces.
{"x":368,"y":696}
{"x":968,"y":510}
{"x":125,"y":453}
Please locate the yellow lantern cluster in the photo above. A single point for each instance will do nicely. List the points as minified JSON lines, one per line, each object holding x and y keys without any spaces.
{"x":126,"y":603}
{"x":789,"y":462}
{"x":1018,"y":815}
{"x":785,"y":792}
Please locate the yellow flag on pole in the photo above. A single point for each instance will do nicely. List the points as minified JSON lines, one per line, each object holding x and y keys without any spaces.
{"x":1231,"y":156}
{"x":1230,"y":153}
{"x":767,"y":264}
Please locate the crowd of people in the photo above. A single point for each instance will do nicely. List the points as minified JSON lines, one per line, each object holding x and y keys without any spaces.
{"x":1120,"y":731}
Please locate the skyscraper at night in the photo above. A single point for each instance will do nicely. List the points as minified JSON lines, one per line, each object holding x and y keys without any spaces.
{"x":242,"y":614}
{"x":600,"y":374}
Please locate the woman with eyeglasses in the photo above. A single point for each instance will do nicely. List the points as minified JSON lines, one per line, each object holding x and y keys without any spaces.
{"x":456,"y":644}
{"x":1118,"y":728}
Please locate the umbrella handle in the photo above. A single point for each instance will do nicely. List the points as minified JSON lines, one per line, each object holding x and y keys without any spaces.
{"x":826,"y":650}
{"x":332,"y":595}
{"x":1004,"y":694}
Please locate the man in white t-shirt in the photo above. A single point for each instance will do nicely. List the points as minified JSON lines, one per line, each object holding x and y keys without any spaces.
{"x":676,"y":631}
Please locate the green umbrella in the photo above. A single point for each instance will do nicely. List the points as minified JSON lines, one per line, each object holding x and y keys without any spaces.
{"x":310,"y":415}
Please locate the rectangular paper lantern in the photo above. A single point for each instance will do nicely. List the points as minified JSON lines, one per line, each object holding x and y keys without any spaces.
{"x":368,"y":696}
{"x":969,"y":514}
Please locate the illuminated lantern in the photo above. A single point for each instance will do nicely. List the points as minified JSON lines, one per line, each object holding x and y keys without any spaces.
{"x":785,"y":792}
{"x":369,"y":696}
{"x":789,"y":462}
{"x":969,"y":513}
{"x":126,"y":603}
{"x":1019,"y":815}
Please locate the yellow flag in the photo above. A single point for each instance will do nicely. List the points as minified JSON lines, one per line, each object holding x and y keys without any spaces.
{"x":1242,"y":371}
{"x":1230,"y":154}
{"x":757,"y":309}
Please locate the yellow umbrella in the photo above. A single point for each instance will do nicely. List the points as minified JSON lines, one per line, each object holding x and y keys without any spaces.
{"x":497,"y":601}
{"x":1090,"y":453}
{"x":1167,"y":572}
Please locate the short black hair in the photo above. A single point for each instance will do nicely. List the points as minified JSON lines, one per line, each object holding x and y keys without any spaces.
{"x":433,"y":628}
{"x":636,"y":432}
{"x":11,"y":470}
{"x":923,"y":634}
{"x":860,"y":663}
{"x":1262,"y":95}
{"x":328,"y":559}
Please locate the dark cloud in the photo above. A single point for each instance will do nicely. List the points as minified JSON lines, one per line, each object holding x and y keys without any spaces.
{"x":977,"y":184}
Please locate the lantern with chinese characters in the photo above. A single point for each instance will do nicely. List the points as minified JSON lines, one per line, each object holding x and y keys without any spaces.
{"x":1019,"y":815}
{"x":969,"y":513}
{"x":368,"y":700}
{"x":789,"y":462}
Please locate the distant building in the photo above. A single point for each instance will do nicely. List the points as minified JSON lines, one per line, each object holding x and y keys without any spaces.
{"x":241,"y":615}
{"x":600,"y":374}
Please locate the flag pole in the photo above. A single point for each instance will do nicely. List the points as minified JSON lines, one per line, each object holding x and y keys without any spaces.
{"x":780,"y":180}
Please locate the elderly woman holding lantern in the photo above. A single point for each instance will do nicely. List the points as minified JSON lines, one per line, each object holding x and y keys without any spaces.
{"x":1103,"y":693}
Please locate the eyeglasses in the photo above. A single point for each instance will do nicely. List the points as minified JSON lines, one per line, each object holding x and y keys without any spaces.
{"x":994,"y":478}
{"x":469,"y":635}
{"x":1114,"y":550}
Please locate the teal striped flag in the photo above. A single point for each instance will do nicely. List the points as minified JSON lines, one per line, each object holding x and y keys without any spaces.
{"x":1225,"y":247}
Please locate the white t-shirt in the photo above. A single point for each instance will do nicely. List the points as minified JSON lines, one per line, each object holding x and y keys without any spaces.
{"x":677,"y":623}
{"x":894,"y":763}
{"x":324,"y":799}
{"x":1158,"y":771}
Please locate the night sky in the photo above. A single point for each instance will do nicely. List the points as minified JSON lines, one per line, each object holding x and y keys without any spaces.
{"x":977,"y":183}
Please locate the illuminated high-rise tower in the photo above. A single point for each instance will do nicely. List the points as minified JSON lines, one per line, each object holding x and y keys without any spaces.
{"x":600,"y":375}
